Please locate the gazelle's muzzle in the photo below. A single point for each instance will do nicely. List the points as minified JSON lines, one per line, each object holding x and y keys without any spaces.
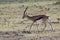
{"x":23,"y":17}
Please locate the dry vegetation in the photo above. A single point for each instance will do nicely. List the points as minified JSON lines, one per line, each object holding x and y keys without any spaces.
{"x":12,"y":24}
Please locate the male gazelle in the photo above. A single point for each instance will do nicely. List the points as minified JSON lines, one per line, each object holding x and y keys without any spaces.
{"x":36,"y":18}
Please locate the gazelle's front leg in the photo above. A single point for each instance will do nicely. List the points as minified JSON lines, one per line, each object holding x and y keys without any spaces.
{"x":31,"y":25}
{"x":45,"y":26}
{"x":49,"y":21}
{"x":37,"y":24}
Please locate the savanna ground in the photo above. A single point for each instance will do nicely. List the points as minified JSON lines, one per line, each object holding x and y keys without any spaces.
{"x":12,"y":24}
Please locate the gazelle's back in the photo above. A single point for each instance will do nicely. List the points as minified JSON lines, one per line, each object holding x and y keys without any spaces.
{"x":37,"y":17}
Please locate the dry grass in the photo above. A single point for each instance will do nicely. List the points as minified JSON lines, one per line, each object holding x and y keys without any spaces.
{"x":11,"y":20}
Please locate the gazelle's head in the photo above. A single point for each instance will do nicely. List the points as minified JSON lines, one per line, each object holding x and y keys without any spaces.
{"x":25,"y":13}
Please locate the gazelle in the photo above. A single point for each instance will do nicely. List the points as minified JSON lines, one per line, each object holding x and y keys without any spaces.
{"x":36,"y":18}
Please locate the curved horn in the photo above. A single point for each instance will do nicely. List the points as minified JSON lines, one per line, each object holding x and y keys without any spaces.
{"x":25,"y":12}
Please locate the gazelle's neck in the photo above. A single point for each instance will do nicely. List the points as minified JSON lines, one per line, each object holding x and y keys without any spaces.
{"x":28,"y":17}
